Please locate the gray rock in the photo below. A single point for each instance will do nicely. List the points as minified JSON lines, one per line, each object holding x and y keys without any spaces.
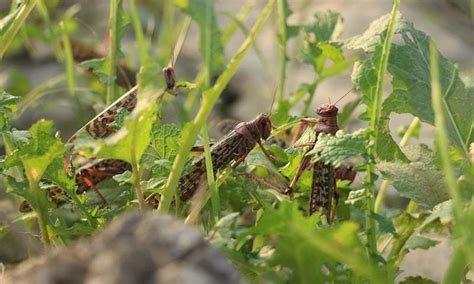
{"x":136,"y":248}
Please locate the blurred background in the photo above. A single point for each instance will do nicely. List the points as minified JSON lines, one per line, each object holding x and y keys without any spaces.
{"x":32,"y":70}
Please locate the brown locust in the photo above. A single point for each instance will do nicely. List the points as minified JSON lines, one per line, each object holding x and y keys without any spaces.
{"x":234,"y":146}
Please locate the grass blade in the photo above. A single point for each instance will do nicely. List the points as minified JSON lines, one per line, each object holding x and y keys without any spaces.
{"x":210,"y":98}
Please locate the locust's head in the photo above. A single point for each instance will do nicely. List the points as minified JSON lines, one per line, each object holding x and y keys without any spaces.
{"x":327,"y":110}
{"x":264,"y":125}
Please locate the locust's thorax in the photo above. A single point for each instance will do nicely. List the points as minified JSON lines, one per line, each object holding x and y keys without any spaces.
{"x":327,"y":121}
{"x":170,"y":77}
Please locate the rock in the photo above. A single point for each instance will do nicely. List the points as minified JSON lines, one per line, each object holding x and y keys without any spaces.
{"x":137,"y":248}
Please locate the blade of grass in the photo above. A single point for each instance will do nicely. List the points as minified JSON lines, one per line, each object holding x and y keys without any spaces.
{"x":115,"y":6}
{"x":137,"y":28}
{"x":210,"y":98}
{"x":7,"y":38}
{"x":282,"y":44}
{"x":210,"y":175}
{"x":69,"y":60}
{"x":370,"y":228}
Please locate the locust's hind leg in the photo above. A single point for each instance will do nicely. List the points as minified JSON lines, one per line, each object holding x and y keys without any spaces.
{"x":91,"y":184}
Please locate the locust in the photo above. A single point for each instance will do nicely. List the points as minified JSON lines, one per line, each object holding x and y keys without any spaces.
{"x":323,"y":188}
{"x":235,"y":146}
{"x":96,"y":171}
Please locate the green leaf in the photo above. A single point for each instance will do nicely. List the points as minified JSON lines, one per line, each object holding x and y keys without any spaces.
{"x":335,"y":149}
{"x":40,"y":151}
{"x":385,"y":224}
{"x":320,"y":45}
{"x":419,"y":242}
{"x":365,"y":77}
{"x":100,"y":67}
{"x":298,"y":242}
{"x":122,"y":113}
{"x":202,"y":11}
{"x":164,"y":142}
{"x":416,"y":181}
{"x":327,"y":26}
{"x":370,"y":39}
{"x":134,"y":137}
{"x":410,"y":68}
{"x":7,"y":106}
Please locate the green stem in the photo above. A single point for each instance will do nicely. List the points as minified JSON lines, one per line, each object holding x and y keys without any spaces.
{"x":441,"y":137}
{"x":167,"y":33}
{"x":385,"y":183}
{"x":115,"y":5}
{"x":283,"y":38}
{"x":38,"y":207}
{"x":69,"y":61}
{"x":457,"y":267}
{"x":210,"y":98}
{"x":7,"y":38}
{"x":210,"y":175}
{"x":374,"y":124}
{"x":137,"y":28}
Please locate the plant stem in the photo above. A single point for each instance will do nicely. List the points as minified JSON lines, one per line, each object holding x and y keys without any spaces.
{"x":441,"y":137}
{"x":210,"y":175}
{"x":385,"y":183}
{"x":374,"y":125}
{"x":115,"y":6}
{"x":36,"y":196}
{"x":137,"y":28}
{"x":210,"y":98}
{"x":283,"y":38}
{"x":69,"y":61}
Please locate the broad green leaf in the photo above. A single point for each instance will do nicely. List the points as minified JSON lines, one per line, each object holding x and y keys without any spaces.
{"x":327,"y":26}
{"x":7,"y":106}
{"x":365,"y":77}
{"x":202,"y":11}
{"x":298,"y":242}
{"x":419,"y":242}
{"x":410,"y":69}
{"x":416,"y":180}
{"x":164,"y":142}
{"x":385,"y":224}
{"x":100,"y":67}
{"x":320,"y":46}
{"x":335,"y":149}
{"x":370,"y":39}
{"x":39,"y":152}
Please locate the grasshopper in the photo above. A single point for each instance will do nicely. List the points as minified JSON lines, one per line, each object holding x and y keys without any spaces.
{"x":235,"y":146}
{"x":323,"y":187}
{"x":92,"y":173}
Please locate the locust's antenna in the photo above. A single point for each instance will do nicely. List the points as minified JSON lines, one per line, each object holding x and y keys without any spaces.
{"x":180,"y":42}
{"x":344,"y":95}
{"x":273,"y":99}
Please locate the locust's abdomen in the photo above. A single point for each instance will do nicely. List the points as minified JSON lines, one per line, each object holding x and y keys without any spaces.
{"x":322,"y":189}
{"x":231,"y":147}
